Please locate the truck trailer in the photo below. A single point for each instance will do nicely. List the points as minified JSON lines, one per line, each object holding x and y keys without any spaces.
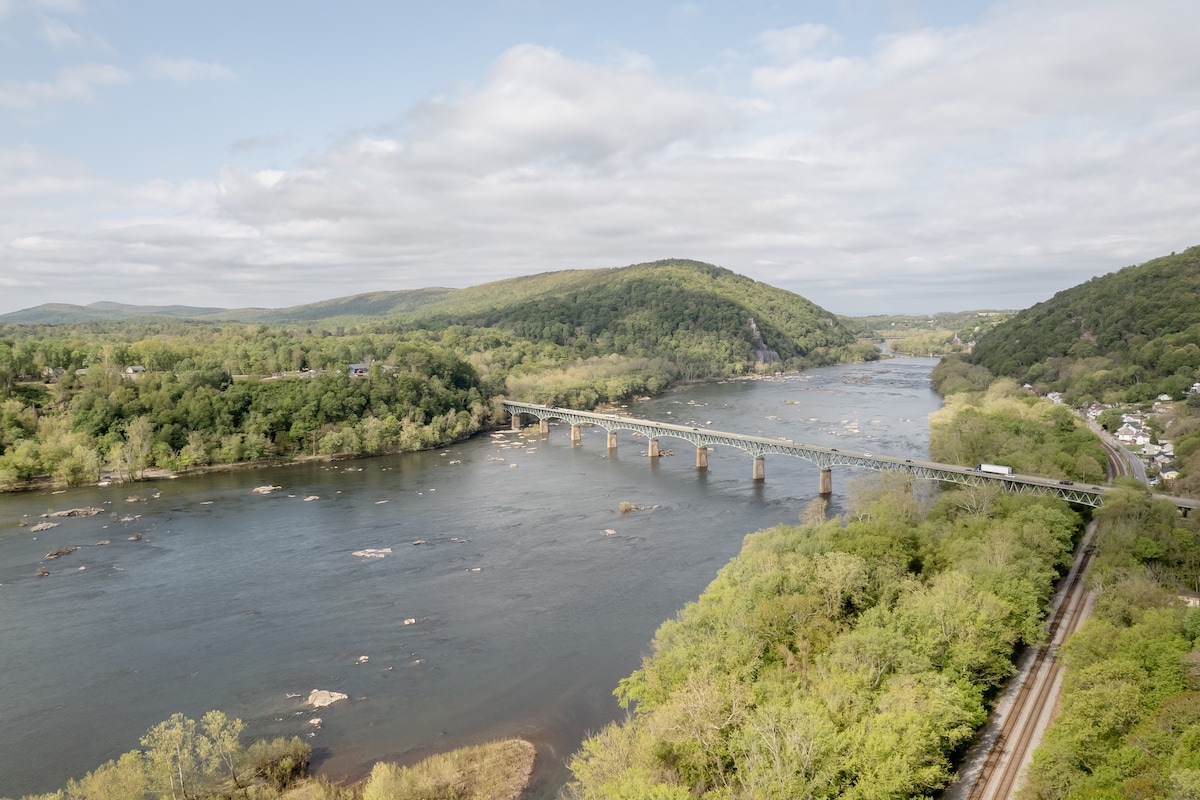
{"x":995,"y":469}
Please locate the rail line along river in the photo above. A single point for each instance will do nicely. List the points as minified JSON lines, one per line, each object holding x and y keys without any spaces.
{"x":528,"y":598}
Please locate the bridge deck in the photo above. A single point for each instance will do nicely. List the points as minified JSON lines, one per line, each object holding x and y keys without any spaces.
{"x":828,"y":457}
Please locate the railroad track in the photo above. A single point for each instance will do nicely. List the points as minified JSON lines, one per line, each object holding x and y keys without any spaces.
{"x":1118,"y":465}
{"x":1034,"y":701}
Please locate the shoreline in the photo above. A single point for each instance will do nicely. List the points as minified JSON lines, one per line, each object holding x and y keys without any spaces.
{"x":533,"y":772}
{"x":158,"y":473}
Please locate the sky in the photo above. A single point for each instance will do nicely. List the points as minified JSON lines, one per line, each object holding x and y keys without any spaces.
{"x":874,"y":156}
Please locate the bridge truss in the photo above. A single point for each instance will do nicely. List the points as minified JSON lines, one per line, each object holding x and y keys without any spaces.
{"x":827,"y":457}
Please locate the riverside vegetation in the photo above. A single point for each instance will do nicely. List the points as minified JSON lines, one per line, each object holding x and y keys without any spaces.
{"x":1129,"y":720}
{"x":933,"y":335}
{"x":437,"y":361}
{"x":183,"y":760}
{"x":856,"y":657}
{"x":853,"y":657}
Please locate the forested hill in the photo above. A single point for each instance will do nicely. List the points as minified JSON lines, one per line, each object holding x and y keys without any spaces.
{"x":665,"y":306}
{"x":1126,"y":336}
{"x":680,"y":308}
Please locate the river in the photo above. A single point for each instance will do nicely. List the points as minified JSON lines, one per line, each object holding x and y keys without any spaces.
{"x":529,"y":597}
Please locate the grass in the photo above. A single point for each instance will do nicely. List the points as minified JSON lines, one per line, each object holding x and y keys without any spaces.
{"x":493,"y":771}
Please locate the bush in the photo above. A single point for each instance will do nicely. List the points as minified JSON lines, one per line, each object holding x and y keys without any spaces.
{"x":280,"y":761}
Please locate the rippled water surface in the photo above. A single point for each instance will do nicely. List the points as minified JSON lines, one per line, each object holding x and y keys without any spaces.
{"x":529,"y":597}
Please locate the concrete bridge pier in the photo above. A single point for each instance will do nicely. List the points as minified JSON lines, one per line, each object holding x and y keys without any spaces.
{"x":760,"y":469}
{"x":516,"y":422}
{"x":576,"y":439}
{"x":701,"y":458}
{"x":825,"y":487}
{"x":654,"y":448}
{"x":612,"y":440}
{"x":544,"y":426}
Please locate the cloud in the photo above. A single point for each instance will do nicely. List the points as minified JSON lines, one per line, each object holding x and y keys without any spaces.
{"x":539,"y":108}
{"x":796,"y":41}
{"x":60,"y":36}
{"x":187,"y":69}
{"x":987,"y":164}
{"x":76,"y":82}
{"x":68,"y":6}
{"x":264,"y":142}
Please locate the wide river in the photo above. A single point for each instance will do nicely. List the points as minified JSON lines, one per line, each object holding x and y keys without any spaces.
{"x":528,"y":597}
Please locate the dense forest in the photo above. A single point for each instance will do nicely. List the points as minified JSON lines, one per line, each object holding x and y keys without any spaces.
{"x":848,"y":658}
{"x":155,"y":391}
{"x":1008,"y":425}
{"x":1129,"y":724}
{"x":1125,"y":337}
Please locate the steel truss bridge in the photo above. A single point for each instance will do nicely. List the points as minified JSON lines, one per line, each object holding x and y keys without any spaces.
{"x":823,"y":457}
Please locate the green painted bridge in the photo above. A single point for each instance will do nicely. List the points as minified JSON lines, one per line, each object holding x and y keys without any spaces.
{"x":826,"y":458}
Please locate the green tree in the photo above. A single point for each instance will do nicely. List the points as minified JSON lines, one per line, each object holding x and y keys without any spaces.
{"x":174,"y":753}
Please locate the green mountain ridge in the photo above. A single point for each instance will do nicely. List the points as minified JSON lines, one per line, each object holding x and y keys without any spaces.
{"x":676,"y":307}
{"x":1123,"y":337}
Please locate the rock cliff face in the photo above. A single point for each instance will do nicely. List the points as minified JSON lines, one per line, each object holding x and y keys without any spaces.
{"x":762,"y":353}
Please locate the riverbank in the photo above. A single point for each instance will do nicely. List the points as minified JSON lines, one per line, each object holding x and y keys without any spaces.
{"x":258,"y":595}
{"x":492,"y":771}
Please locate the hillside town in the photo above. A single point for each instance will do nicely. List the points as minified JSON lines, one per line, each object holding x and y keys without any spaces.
{"x":1142,"y":431}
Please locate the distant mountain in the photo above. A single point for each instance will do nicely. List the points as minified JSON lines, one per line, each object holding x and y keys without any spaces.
{"x":66,"y":313}
{"x":370,"y":304}
{"x":1126,"y":336}
{"x":677,"y":307}
{"x":673,"y":306}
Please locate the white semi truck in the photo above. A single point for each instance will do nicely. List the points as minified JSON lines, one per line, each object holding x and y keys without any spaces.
{"x":995,"y":469}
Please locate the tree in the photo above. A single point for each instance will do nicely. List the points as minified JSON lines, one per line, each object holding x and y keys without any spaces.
{"x":131,"y":455}
{"x":173,"y":750}
{"x":222,"y":750}
{"x":122,"y":779}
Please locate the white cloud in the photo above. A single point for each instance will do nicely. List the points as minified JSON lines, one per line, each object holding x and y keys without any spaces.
{"x":796,"y":41}
{"x":987,"y":164}
{"x":60,"y":35}
{"x":76,"y":82}
{"x":187,"y":69}
{"x":539,"y":108}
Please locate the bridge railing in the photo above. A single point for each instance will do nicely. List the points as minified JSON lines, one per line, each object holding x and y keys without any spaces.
{"x":824,"y":457}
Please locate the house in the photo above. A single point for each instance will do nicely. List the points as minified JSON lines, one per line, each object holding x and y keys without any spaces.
{"x":1128,"y":432}
{"x":133,"y":372}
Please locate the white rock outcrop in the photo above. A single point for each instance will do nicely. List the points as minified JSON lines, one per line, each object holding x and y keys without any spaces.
{"x":319,"y":698}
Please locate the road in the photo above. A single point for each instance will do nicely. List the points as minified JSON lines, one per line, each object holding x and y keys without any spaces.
{"x":1120,"y":460}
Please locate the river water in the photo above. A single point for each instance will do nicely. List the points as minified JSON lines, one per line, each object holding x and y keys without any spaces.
{"x":529,"y":598}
